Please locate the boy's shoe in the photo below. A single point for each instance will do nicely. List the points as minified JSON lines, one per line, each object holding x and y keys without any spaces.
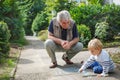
{"x":53,"y":65}
{"x":67,"y":60}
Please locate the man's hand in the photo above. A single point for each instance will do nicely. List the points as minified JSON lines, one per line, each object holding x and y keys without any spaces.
{"x":65,"y":44}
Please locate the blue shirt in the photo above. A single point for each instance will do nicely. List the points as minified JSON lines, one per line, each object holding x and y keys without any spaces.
{"x":64,"y":31}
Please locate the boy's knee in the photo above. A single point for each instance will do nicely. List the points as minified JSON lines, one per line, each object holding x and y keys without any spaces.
{"x":97,"y":69}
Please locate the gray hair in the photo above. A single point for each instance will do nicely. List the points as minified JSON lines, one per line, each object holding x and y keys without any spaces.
{"x":63,"y":15}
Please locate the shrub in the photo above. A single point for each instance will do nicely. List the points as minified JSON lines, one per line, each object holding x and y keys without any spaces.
{"x":88,"y":15}
{"x":16,"y":29}
{"x":11,"y":15}
{"x":4,"y":39}
{"x":43,"y":35}
{"x":28,"y":11}
{"x":84,"y":34}
{"x":113,"y":17}
{"x":40,"y":22}
{"x":104,"y":31}
{"x":92,"y":14}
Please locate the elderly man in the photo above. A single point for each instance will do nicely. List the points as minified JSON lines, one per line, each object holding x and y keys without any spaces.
{"x":62,"y":36}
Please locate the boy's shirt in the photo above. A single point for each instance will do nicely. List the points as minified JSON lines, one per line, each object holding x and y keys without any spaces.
{"x":103,"y":59}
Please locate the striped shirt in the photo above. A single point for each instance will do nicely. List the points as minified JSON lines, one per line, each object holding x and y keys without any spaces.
{"x":103,"y":59}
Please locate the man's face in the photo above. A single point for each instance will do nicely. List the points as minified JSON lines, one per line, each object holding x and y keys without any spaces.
{"x":64,"y":24}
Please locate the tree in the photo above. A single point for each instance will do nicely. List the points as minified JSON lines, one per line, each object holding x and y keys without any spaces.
{"x":58,"y":5}
{"x":96,"y":1}
{"x":10,"y":15}
{"x":29,"y":10}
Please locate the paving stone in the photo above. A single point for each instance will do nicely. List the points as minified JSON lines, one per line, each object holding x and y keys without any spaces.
{"x":34,"y":65}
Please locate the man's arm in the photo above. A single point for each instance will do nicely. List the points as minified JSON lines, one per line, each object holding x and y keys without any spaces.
{"x":74,"y":41}
{"x":51,"y":35}
{"x":75,"y":35}
{"x":56,"y":40}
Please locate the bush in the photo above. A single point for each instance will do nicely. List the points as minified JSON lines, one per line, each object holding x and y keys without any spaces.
{"x":113,"y":17}
{"x":104,"y":31}
{"x":84,"y":34}
{"x":43,"y":35}
{"x":40,"y":22}
{"x":92,"y":14}
{"x":87,"y":14}
{"x":16,"y":29}
{"x":28,"y":11}
{"x":11,"y":15}
{"x":4,"y":39}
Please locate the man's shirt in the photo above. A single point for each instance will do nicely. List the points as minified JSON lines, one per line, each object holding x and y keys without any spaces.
{"x":64,"y":31}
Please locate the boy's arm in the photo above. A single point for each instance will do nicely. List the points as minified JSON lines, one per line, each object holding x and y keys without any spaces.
{"x":105,"y":66}
{"x":87,"y":63}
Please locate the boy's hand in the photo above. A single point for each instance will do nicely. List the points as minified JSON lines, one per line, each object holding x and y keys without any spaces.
{"x":99,"y":75}
{"x":80,"y":70}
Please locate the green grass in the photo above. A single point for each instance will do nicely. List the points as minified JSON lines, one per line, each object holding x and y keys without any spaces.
{"x":5,"y":72}
{"x":7,"y":64}
{"x":4,"y":77}
{"x":116,"y":58}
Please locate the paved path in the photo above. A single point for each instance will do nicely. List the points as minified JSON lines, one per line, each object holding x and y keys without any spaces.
{"x":34,"y":65}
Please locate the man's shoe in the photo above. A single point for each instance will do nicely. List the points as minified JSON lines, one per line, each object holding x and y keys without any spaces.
{"x":54,"y":65}
{"x":67,"y":60}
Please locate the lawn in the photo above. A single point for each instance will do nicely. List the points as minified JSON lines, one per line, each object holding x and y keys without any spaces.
{"x":8,"y":64}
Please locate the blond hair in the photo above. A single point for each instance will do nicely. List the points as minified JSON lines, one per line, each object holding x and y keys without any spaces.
{"x":95,"y":43}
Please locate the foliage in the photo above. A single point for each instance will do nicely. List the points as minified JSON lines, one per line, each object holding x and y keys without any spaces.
{"x":92,"y":14}
{"x":10,"y":15}
{"x":104,"y":31}
{"x":58,"y":5}
{"x":84,"y":34}
{"x":113,"y":16}
{"x":4,"y":39}
{"x":28,"y":11}
{"x":43,"y":35}
{"x":86,"y":14}
{"x":24,"y":7}
{"x":40,"y":22}
{"x":116,"y":58}
{"x":4,"y":77}
{"x":96,"y":1}
{"x":17,"y":31}
{"x":7,"y":64}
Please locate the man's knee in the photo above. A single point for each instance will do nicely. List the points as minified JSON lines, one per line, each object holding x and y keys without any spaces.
{"x":49,"y":43}
{"x":80,"y":45}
